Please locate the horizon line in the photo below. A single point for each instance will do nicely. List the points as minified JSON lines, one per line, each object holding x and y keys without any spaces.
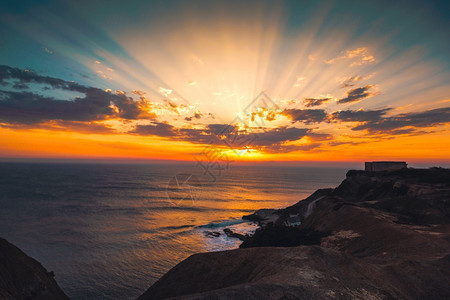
{"x":149,"y":161}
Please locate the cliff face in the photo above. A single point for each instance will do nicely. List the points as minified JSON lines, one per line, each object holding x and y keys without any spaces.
{"x":376,"y":236}
{"x":22,"y":277}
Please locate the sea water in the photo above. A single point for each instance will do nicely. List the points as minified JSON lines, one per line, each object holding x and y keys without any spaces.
{"x":109,"y":231}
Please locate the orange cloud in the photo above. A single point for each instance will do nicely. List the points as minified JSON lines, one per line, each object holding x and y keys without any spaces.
{"x":358,"y":57}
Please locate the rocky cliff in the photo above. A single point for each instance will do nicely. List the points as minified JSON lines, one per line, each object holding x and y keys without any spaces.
{"x":22,"y":277}
{"x":383,"y":235}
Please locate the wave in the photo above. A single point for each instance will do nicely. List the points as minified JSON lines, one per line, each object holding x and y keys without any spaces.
{"x":223,"y":223}
{"x":177,"y":227}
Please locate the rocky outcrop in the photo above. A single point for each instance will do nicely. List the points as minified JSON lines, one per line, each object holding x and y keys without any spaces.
{"x":232,"y":234}
{"x":22,"y":277}
{"x":376,"y":236}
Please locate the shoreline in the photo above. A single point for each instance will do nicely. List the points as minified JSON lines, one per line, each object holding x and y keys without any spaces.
{"x":379,"y":235}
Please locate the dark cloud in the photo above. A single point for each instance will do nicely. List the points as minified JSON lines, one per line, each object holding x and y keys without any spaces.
{"x":230,"y":136}
{"x":319,"y":136}
{"x":291,"y":148}
{"x":20,"y":86}
{"x":29,"y":76}
{"x":375,"y":121}
{"x":338,"y":143}
{"x":194,"y":135}
{"x":310,"y":102}
{"x":306,"y":116}
{"x":358,"y":115}
{"x":156,"y":128}
{"x":197,"y":115}
{"x":357,"y":94}
{"x":266,"y":138}
{"x":220,"y":129}
{"x":407,"y":123}
{"x":81,"y":127}
{"x":28,"y":108}
{"x":349,"y":82}
{"x":277,"y":136}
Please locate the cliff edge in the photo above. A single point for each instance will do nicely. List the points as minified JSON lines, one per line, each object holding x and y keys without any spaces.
{"x":22,"y":277}
{"x":378,"y":235}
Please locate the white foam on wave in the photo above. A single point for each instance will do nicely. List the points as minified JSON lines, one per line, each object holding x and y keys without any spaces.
{"x":224,"y":242}
{"x":223,"y":223}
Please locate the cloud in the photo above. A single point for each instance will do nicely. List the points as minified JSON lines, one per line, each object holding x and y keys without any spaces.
{"x":407,"y":123}
{"x":350,"y":81}
{"x":319,"y":136}
{"x":60,"y":125}
{"x":277,"y":136}
{"x":20,"y":86}
{"x":165,"y":92}
{"x":29,"y":76}
{"x":358,"y":115}
{"x":299,"y":81}
{"x":359,"y":56}
{"x":155,"y":128}
{"x":291,"y":148}
{"x":339,"y":143}
{"x":218,"y":129}
{"x":195,"y":135}
{"x":306,"y":116}
{"x":357,"y":94}
{"x":28,"y":108}
{"x":197,"y":115}
{"x":311,"y":140}
{"x":47,"y":50}
{"x":229,"y":136}
{"x":263,"y":114}
{"x":138,"y":92}
{"x":310,"y":102}
{"x":174,"y":107}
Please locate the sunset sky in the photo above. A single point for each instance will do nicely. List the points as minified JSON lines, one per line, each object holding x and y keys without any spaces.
{"x":322,"y":81}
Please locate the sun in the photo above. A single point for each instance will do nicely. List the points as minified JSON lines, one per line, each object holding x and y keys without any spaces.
{"x":244,"y":153}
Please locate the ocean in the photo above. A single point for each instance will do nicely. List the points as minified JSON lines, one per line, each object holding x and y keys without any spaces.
{"x":109,"y":231}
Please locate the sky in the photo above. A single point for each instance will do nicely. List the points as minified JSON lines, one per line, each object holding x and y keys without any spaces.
{"x":258,"y":81}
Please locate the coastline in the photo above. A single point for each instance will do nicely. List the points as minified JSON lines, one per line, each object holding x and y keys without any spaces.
{"x":106,"y":225}
{"x":378,"y":235}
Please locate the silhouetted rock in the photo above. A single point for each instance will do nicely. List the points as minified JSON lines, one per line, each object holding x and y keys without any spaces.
{"x":379,"y":235}
{"x":232,"y":234}
{"x":212,"y":234}
{"x":263,"y":216}
{"x":283,"y":236}
{"x":22,"y":277}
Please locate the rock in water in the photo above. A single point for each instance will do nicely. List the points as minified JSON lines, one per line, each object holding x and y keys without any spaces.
{"x":22,"y":277}
{"x":212,"y":234}
{"x":232,"y":234}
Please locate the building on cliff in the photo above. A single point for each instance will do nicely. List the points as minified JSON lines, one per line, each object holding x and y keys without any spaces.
{"x":377,"y":166}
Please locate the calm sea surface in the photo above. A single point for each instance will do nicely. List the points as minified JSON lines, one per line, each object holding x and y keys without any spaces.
{"x":110,"y":231}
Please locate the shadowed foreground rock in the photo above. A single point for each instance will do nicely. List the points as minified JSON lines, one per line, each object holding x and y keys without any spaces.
{"x":376,"y":236}
{"x":22,"y":277}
